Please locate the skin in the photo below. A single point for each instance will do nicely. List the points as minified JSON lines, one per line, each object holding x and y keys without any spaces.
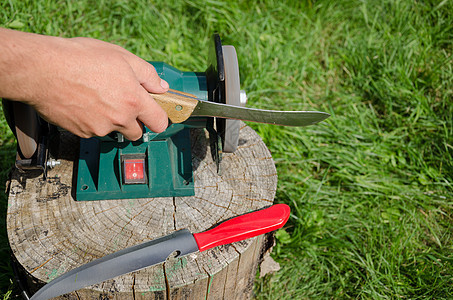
{"x":86,"y":86}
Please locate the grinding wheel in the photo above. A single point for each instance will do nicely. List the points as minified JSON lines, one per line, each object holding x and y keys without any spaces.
{"x":26,"y":129}
{"x":233,"y":96}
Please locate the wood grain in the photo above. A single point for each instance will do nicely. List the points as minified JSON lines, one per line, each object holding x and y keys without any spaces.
{"x":50,"y":233}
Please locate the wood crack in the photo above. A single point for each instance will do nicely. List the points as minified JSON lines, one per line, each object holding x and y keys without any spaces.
{"x":133,"y":286}
{"x":228,"y":208}
{"x":238,"y":266}
{"x":208,"y":288}
{"x":167,"y":283}
{"x":174,"y":213}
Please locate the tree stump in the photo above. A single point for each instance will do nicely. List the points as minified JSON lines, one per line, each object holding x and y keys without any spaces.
{"x":51,"y":233}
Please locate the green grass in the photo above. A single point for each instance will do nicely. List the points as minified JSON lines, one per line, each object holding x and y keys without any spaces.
{"x":371,"y":188}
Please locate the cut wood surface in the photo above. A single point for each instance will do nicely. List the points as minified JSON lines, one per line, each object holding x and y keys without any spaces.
{"x":51,"y":233}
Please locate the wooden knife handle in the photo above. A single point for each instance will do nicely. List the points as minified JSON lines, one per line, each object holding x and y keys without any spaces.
{"x":178,"y":105}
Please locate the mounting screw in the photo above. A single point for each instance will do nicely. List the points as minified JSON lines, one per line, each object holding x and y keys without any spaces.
{"x":51,"y":163}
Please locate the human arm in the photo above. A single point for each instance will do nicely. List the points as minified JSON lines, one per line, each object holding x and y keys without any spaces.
{"x":86,"y":86}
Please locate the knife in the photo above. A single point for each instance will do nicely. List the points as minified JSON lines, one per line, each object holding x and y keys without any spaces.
{"x":150,"y":253}
{"x":180,"y":106}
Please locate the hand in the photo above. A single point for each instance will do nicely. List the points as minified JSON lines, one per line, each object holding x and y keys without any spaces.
{"x":86,"y":86}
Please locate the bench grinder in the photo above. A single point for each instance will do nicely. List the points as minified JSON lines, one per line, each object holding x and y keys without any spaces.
{"x":157,"y":165}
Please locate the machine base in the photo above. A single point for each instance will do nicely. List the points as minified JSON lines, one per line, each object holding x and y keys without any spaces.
{"x":167,"y":169}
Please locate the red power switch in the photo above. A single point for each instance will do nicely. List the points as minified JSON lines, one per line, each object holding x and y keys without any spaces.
{"x":133,"y":170}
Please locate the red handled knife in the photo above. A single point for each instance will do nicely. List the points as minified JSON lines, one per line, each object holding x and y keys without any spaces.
{"x":150,"y":253}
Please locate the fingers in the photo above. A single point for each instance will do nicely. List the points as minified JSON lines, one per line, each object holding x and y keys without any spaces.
{"x":147,"y":75}
{"x":152,"y":115}
{"x":148,"y":111}
{"x":133,"y":131}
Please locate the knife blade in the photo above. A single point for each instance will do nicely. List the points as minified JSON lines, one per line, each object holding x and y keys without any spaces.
{"x":180,"y":106}
{"x":150,"y":253}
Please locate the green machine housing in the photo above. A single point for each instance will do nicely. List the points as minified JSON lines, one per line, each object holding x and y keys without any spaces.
{"x":157,"y":165}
